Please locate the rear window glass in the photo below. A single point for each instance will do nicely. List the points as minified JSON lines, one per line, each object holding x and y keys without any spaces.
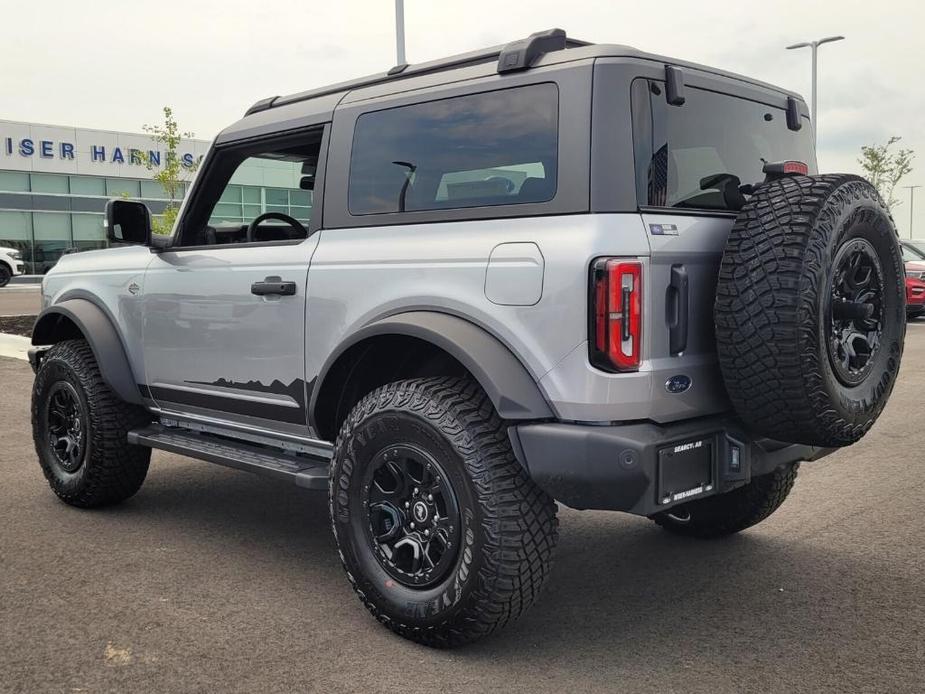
{"x":697,"y":155}
{"x":493,"y":148}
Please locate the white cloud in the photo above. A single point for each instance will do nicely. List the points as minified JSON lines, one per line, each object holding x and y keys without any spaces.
{"x":114,"y":63}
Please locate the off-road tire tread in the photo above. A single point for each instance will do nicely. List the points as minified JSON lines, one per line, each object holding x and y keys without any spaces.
{"x":520,"y":525}
{"x":115,"y":469}
{"x":737,"y":510}
{"x":765,"y":314}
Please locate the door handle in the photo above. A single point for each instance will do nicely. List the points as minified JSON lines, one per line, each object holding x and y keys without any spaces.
{"x":273,"y":286}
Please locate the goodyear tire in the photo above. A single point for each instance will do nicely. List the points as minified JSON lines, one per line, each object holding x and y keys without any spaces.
{"x":810,"y":310}
{"x":443,"y":536}
{"x":79,"y":428}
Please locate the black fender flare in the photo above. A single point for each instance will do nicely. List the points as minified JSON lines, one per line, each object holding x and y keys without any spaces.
{"x":510,"y":387}
{"x":102,"y":337}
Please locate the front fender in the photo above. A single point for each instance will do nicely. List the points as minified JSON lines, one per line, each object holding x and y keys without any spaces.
{"x":54,"y":325}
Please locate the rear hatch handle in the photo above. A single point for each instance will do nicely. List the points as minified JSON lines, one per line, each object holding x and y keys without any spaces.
{"x":677,"y":309}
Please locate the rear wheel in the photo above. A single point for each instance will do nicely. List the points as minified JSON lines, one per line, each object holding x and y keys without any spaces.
{"x":79,"y":428}
{"x":442,"y":534}
{"x":729,"y":513}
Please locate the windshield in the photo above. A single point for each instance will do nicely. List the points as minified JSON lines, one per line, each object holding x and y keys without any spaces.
{"x":702,"y":151}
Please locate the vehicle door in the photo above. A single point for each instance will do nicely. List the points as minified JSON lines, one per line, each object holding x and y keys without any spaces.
{"x":224,"y":307}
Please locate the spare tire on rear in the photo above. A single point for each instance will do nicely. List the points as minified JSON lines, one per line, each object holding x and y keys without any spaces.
{"x":810,"y":309}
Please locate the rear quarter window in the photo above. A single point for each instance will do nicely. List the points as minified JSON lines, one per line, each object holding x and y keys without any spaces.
{"x":491,"y":148}
{"x":695,"y":156}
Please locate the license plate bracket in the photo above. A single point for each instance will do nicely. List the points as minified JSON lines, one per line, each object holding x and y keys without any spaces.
{"x":686,"y":470}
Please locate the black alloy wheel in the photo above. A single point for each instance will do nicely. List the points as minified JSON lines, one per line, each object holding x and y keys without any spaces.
{"x":856,"y":311}
{"x":66,"y":423}
{"x":412,"y":515}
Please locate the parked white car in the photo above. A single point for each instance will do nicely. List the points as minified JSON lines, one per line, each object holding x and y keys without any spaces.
{"x":10,"y":265}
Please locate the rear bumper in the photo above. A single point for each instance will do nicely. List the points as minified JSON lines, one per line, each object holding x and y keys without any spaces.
{"x":623,"y":468}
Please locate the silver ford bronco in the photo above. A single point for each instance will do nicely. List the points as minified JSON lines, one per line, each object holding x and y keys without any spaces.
{"x":464,"y":290}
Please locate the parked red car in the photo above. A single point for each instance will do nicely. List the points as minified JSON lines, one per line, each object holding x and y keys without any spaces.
{"x":915,"y":280}
{"x":915,"y":290}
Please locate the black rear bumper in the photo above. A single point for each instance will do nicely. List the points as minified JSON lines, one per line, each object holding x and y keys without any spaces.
{"x":637,"y":467}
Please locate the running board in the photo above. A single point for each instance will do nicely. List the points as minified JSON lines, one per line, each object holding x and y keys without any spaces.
{"x":310,"y":472}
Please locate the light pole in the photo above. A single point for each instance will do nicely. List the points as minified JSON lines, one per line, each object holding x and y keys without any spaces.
{"x":815,"y":46}
{"x":911,"y":205}
{"x":400,"y":31}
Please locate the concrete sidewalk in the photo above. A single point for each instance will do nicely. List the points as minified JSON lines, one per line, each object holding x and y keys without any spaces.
{"x":14,"y":346}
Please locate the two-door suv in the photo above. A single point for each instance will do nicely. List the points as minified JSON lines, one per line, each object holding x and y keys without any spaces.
{"x":457,"y":292}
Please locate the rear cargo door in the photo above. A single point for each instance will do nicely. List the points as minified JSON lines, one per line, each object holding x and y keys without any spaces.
{"x":692,"y":160}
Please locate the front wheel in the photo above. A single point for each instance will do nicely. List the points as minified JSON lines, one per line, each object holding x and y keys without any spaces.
{"x":5,"y":275}
{"x":79,"y":427}
{"x":729,"y":513}
{"x":442,"y":534}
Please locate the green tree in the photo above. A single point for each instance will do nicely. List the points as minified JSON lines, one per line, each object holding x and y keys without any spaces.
{"x":170,"y":172}
{"x":885,"y":167}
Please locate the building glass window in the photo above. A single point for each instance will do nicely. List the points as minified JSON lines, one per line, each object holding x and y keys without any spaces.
{"x":49,"y":183}
{"x":88,"y":227}
{"x":494,"y":148}
{"x":16,"y":232}
{"x":122,"y":187}
{"x":88,"y":185}
{"x":275,"y":196}
{"x":15,"y":226}
{"x":228,"y":211}
{"x":231,"y":194}
{"x":14,"y":182}
{"x":152,"y":190}
{"x":88,"y":232}
{"x":52,"y":237}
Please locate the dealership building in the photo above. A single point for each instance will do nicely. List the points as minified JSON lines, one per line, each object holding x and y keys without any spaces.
{"x":55,"y":181}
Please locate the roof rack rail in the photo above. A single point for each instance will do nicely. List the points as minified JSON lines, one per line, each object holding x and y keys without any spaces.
{"x":519,"y":55}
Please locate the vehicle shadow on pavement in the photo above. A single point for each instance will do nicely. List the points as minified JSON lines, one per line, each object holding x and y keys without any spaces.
{"x":628,"y":595}
{"x":623,"y":593}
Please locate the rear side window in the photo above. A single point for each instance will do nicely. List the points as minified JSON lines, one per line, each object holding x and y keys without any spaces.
{"x":493,"y":148}
{"x":697,"y":155}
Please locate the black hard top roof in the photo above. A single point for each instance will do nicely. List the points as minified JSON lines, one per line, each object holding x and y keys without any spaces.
{"x":547,"y":47}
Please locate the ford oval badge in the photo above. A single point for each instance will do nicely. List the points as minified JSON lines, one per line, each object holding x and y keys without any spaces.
{"x":678,"y":384}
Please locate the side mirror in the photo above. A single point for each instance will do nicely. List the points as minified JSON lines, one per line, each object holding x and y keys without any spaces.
{"x":128,"y":221}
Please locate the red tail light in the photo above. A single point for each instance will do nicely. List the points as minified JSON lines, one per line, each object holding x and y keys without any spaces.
{"x":616,"y":314}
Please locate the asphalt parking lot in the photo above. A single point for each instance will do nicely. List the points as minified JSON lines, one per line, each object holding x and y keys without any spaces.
{"x":17,"y":299}
{"x":215,"y":580}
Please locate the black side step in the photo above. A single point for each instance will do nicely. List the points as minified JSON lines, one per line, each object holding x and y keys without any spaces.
{"x":306,"y":471}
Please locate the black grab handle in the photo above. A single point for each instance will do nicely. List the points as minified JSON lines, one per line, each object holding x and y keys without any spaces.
{"x":677,"y":308}
{"x":273,"y":286}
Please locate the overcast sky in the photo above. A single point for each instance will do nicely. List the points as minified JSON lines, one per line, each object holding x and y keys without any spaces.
{"x":113,"y":64}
